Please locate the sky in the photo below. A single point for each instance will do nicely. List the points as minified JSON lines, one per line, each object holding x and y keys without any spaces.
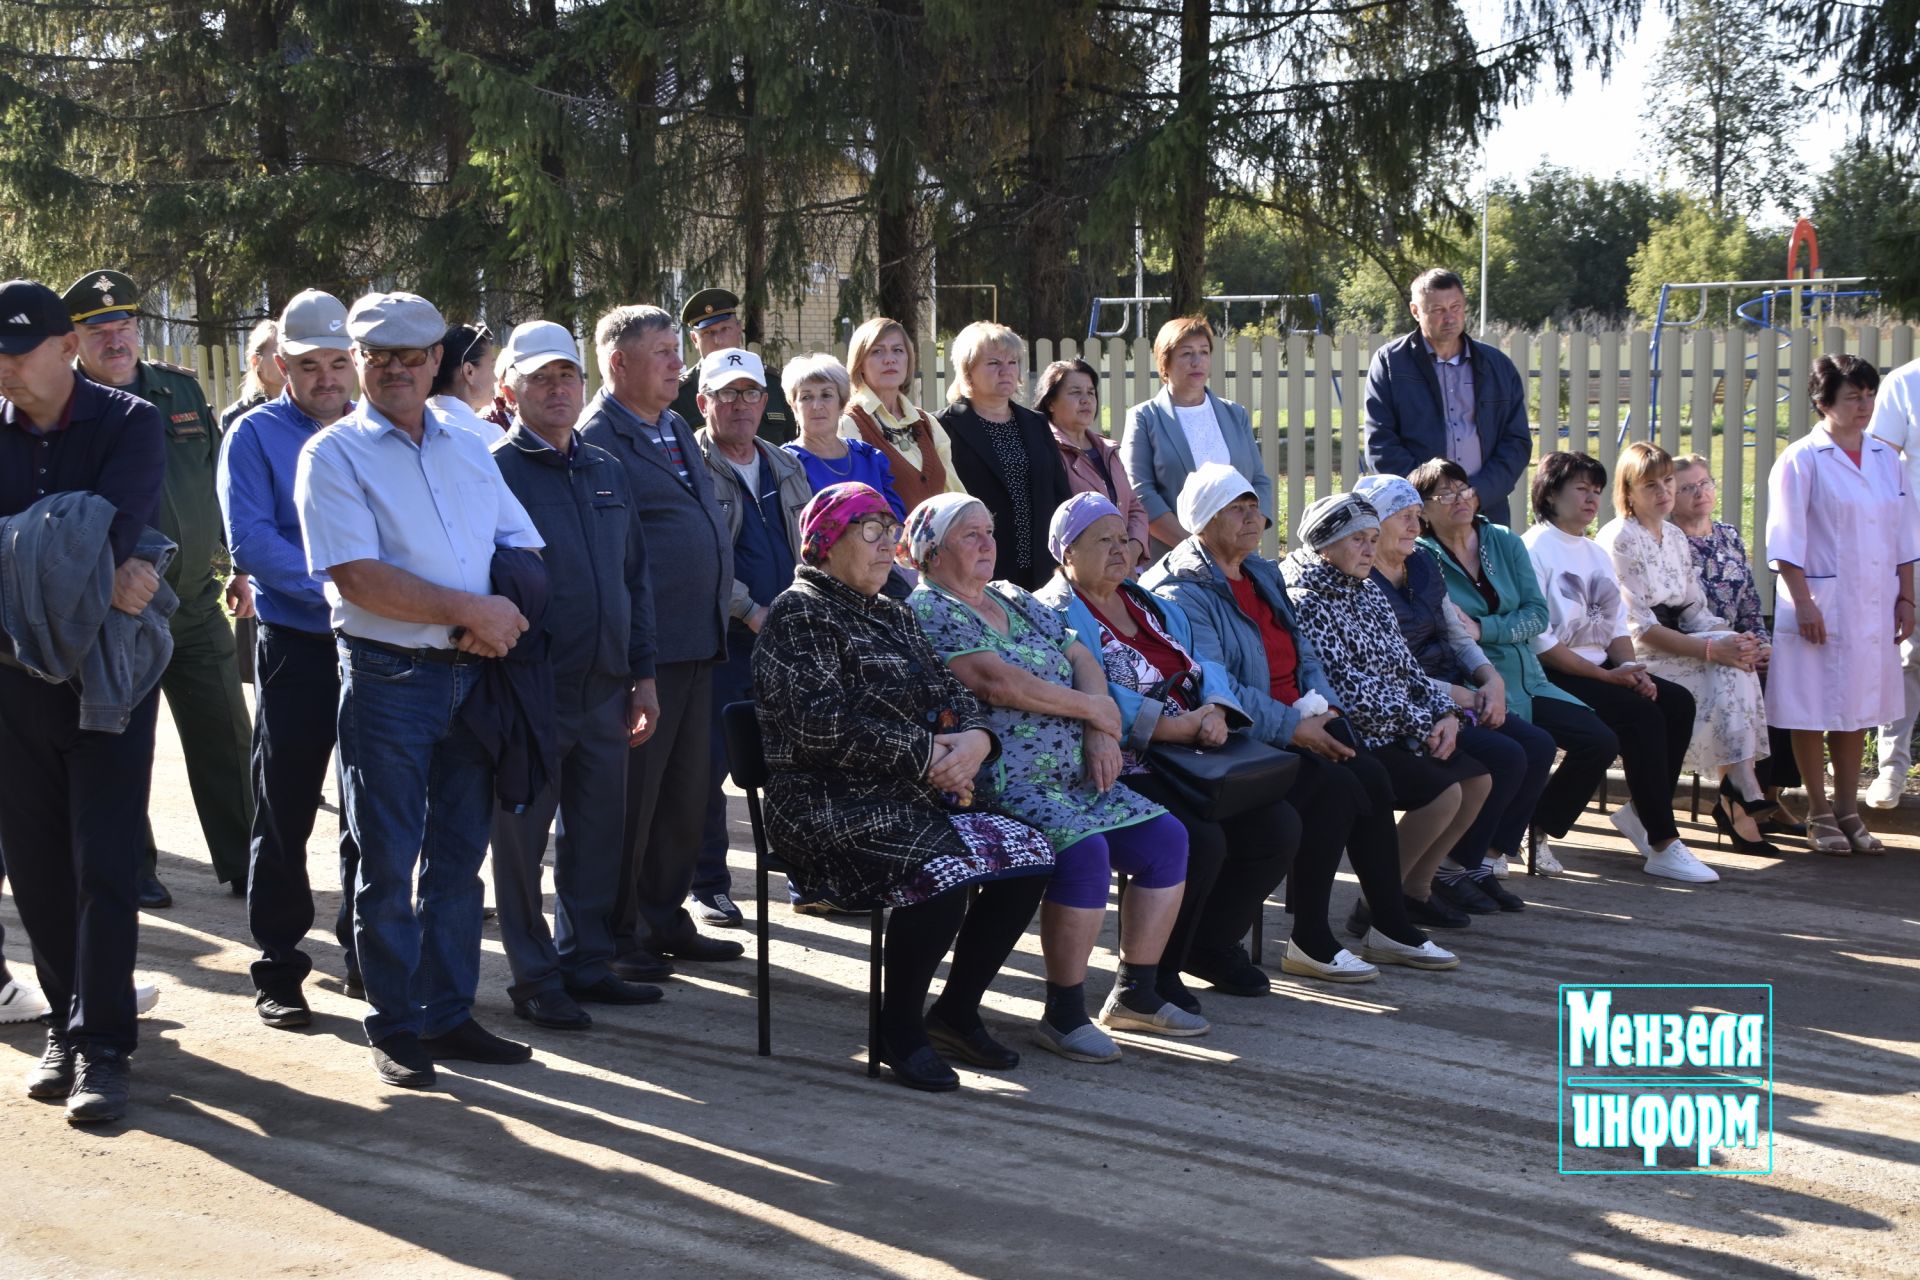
{"x":1598,"y":128}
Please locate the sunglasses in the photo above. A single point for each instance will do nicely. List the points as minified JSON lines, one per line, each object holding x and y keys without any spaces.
{"x":381,"y":357}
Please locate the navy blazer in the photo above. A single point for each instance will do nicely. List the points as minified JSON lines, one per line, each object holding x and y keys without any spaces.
{"x":1158,"y":460}
{"x":1407,"y":423}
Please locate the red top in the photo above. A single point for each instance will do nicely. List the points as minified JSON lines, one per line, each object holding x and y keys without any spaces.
{"x":1155,"y":647}
{"x":1851,"y":453}
{"x":1283,"y":659}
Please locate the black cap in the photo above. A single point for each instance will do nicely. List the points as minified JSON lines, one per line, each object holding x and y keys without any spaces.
{"x":30,"y":313}
{"x":709,"y":305}
{"x":100,"y":296}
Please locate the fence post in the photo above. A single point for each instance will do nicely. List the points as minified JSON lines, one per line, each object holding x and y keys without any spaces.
{"x":1121,"y":397}
{"x":1577,"y":391}
{"x":1606,"y":396}
{"x":1296,"y":440}
{"x":1267,"y":428}
{"x":1766,"y":441}
{"x":1669,"y":390}
{"x":1353,"y":405}
{"x":1799,"y":408}
{"x":1518,"y":499}
{"x":1639,"y":384}
{"x":1702,"y":393}
{"x":1733,"y":438}
{"x":1549,"y":418}
{"x":1325,"y":474}
{"x":1902,"y":346}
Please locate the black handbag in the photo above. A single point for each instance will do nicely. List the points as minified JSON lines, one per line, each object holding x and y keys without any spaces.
{"x":1223,"y":782}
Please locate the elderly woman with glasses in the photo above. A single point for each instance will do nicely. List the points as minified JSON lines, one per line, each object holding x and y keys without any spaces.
{"x":876,"y":752}
{"x":1047,"y":699}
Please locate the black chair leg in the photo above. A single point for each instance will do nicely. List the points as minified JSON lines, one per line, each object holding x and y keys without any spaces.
{"x":763,"y":979}
{"x":1259,"y":931}
{"x":1696,"y":798}
{"x":875,"y":930}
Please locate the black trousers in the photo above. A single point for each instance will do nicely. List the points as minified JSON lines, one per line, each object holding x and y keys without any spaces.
{"x":1590,"y":747}
{"x":70,"y":823}
{"x":665,"y":811}
{"x":1345,"y":807}
{"x":297,"y":691}
{"x":1232,"y":869}
{"x":1653,"y":734}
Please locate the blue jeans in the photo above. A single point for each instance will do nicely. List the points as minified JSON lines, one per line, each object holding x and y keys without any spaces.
{"x":418,"y":789}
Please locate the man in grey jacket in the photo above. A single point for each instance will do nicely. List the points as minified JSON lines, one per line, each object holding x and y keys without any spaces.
{"x":690,"y":561}
{"x":761,"y":489}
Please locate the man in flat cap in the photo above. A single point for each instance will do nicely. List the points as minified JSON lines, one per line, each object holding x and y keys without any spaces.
{"x":202,"y":683}
{"x":72,"y":853}
{"x":713,"y":317}
{"x":297,"y":671}
{"x":401,"y":511}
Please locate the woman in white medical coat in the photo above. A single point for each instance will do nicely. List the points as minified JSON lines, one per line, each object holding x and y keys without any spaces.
{"x":1843,"y":535}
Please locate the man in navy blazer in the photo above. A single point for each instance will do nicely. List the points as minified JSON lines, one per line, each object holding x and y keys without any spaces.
{"x":1437,"y":393}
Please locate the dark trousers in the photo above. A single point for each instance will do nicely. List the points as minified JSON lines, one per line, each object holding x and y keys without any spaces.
{"x":666,"y":800}
{"x":589,"y":792}
{"x":1653,"y":734}
{"x":296,"y":718}
{"x":732,"y":682}
{"x":1518,"y":756}
{"x":1232,"y":869}
{"x":1345,"y":807}
{"x":202,"y":687}
{"x":1590,"y":747}
{"x":73,"y":852}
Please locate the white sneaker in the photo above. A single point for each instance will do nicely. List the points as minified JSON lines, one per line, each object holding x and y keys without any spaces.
{"x":1628,"y":824}
{"x":1497,"y":863}
{"x":1381,"y":949}
{"x":20,"y":1002}
{"x":145,"y":996}
{"x":1676,"y":862}
{"x":1886,"y":789}
{"x":1344,"y":967}
{"x":1545,"y":861}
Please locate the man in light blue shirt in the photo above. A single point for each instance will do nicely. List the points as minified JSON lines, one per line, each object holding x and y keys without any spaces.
{"x":296,"y":670}
{"x":401,"y":512}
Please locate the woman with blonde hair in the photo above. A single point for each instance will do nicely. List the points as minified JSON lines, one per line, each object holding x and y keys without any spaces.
{"x":264,"y":380}
{"x":880,"y":365}
{"x":1003,"y":452}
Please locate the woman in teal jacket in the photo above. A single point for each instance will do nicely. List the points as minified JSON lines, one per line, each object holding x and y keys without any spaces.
{"x":1490,"y":578}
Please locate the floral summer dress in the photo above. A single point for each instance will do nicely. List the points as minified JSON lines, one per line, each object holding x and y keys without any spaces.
{"x":1040,"y":777}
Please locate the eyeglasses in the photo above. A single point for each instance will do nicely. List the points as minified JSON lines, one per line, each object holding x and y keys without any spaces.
{"x":745,"y":395}
{"x":873,"y":530}
{"x":1451,"y":497}
{"x":381,"y":357}
{"x":1696,"y":488}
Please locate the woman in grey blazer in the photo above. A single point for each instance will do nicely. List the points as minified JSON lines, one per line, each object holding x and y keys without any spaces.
{"x":1186,"y":425}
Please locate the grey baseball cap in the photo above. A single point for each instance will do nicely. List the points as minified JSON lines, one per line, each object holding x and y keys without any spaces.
{"x":313,"y":321}
{"x":395,"y":321}
{"x":540,"y":342}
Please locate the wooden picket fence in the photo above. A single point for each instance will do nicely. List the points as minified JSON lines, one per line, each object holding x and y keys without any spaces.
{"x":1735,"y":396}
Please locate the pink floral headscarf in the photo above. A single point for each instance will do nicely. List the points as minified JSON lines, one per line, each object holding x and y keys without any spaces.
{"x":831,"y":512}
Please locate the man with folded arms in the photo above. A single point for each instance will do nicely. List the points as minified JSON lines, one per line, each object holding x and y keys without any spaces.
{"x":401,"y":511}
{"x":599,"y":623}
{"x":296,"y":670}
{"x":73,"y":849}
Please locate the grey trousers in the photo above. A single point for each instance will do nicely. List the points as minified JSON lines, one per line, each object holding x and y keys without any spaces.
{"x":666,"y":811}
{"x":590,"y":794}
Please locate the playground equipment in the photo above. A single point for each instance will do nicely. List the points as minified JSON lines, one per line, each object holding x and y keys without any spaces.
{"x":1133,"y":314}
{"x":1805,"y":299}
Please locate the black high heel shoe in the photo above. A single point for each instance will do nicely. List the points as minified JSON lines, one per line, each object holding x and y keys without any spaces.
{"x":1740,"y":843}
{"x":1754,"y":808}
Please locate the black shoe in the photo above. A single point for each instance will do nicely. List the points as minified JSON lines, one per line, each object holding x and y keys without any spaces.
{"x":611,"y":990}
{"x":1465,"y":895}
{"x":1782,"y":826}
{"x":1487,"y":883}
{"x":1176,"y":993}
{"x":471,"y":1042}
{"x":1231,"y":973}
{"x":53,"y":1078}
{"x":1434,"y":914}
{"x":696,"y":946}
{"x":101,"y":1084}
{"x":1738,"y":842}
{"x":922,"y":1069}
{"x":1755,"y":808}
{"x":400,"y":1059}
{"x":237,"y":888}
{"x":641,"y":966}
{"x":976,"y":1048}
{"x":282,"y":1010}
{"x":555,"y":1010}
{"x":356,"y":987}
{"x":152,"y":895}
{"x":1360,"y":919}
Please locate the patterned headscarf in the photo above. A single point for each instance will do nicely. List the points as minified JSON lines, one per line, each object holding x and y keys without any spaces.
{"x":1388,"y":495}
{"x":1071,"y":519}
{"x":1336,"y":516}
{"x":927,"y":524}
{"x":831,"y":512}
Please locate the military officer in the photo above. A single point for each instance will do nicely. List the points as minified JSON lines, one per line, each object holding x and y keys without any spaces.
{"x":202,"y":683}
{"x":714,"y":317}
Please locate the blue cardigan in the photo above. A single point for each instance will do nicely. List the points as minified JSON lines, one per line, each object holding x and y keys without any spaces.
{"x":1158,"y":460}
{"x":1188,"y":576}
{"x":1407,"y":425}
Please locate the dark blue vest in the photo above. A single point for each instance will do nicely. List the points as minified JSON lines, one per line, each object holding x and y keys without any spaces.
{"x":1418,"y":610}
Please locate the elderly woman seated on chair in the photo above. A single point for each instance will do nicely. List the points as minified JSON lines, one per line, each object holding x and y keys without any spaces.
{"x":1046,"y":696}
{"x":874,"y":750}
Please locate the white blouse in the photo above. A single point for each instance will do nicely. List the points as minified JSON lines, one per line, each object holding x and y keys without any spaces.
{"x":1657,"y":578}
{"x":1585,"y":608}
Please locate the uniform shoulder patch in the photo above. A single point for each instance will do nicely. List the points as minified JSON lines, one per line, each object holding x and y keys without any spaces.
{"x":174,"y":368}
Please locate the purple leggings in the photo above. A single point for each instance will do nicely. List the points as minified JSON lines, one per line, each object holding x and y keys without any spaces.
{"x":1153,"y":852}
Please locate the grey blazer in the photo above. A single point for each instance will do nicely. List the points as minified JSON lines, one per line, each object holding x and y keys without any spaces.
{"x":1155,"y":453}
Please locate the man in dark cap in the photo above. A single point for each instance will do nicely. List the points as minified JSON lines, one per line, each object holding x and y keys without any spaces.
{"x":713,"y":317}
{"x":74,"y":862}
{"x":202,"y":683}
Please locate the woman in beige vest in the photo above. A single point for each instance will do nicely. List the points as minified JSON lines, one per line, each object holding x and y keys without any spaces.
{"x":880,"y":360}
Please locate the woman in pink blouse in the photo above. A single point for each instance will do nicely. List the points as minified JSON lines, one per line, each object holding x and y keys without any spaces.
{"x":1068,"y":393}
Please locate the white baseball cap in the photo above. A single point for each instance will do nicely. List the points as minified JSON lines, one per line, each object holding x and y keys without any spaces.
{"x":723,"y":367}
{"x":540,"y":342}
{"x":313,"y":321}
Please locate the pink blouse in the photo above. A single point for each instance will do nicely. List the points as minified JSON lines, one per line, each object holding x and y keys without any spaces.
{"x":1084,"y":476}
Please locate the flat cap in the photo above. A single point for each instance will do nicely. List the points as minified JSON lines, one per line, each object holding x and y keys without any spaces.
{"x":395,"y":321}
{"x":708,"y":307}
{"x":100,"y":296}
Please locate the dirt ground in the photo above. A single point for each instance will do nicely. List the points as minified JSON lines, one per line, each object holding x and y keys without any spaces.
{"x":1405,"y":1128}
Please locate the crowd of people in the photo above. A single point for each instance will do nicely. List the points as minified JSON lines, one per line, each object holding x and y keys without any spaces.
{"x":986,"y":648}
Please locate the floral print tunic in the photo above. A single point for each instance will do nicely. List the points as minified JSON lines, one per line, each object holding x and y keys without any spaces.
{"x":1726,"y":577}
